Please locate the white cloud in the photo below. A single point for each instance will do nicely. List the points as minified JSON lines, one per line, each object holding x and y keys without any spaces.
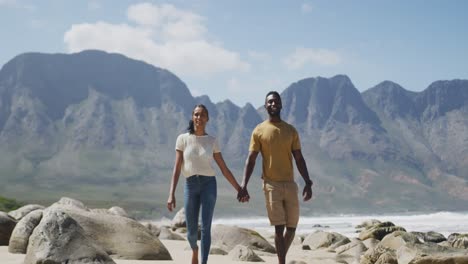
{"x":302,"y":56}
{"x":174,"y":24}
{"x":145,"y":14}
{"x":306,"y":8}
{"x":161,"y":35}
{"x":110,"y":37}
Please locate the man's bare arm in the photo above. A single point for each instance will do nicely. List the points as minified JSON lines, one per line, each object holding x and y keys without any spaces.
{"x":302,"y":168}
{"x":248,"y":169}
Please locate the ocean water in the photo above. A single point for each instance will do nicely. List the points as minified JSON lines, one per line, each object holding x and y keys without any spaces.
{"x":445,"y":223}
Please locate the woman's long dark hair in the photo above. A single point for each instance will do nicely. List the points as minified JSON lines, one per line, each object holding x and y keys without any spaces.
{"x":191,"y":127}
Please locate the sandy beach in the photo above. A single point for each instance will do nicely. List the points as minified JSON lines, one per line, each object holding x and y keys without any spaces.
{"x":181,"y":255}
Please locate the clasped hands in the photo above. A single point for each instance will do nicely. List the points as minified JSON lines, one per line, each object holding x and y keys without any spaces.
{"x":243,"y":195}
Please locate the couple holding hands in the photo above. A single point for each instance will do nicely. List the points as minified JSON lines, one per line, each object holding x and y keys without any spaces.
{"x":276,"y":140}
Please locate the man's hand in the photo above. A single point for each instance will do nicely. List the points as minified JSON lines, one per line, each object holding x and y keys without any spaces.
{"x":307,"y":192}
{"x":243,"y":195}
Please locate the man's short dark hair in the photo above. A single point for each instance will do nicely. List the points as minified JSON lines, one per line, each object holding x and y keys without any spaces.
{"x":274,"y":93}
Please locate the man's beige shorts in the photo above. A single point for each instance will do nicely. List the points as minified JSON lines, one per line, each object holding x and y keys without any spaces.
{"x":282,"y":203}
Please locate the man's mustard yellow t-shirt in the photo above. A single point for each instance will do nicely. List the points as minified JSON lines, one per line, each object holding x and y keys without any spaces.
{"x":275,"y":141}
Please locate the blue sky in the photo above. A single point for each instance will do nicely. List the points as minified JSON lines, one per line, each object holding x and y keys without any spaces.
{"x":240,"y":50}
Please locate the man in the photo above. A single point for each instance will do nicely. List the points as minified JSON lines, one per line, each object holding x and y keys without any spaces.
{"x":278,"y":142}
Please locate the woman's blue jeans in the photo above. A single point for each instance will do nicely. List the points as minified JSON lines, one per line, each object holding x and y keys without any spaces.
{"x":200,"y":192}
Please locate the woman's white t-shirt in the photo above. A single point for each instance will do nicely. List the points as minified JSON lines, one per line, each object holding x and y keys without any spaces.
{"x":198,"y":154}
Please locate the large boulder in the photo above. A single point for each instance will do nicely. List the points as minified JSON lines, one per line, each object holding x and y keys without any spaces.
{"x":214,"y":250}
{"x":368,"y":224}
{"x":72,"y":203}
{"x":154,"y":229}
{"x":430,"y":236}
{"x":116,"y":210}
{"x":21,"y":212}
{"x":7,"y":224}
{"x":24,"y":228}
{"x":166,"y":233}
{"x":379,"y":231}
{"x":440,"y":260}
{"x":121,"y":237}
{"x":60,"y":239}
{"x":355,"y":248}
{"x":399,"y":239}
{"x":227,"y":237}
{"x":458,"y":240}
{"x":387,"y":258}
{"x":379,"y":253}
{"x":408,"y":247}
{"x":351,"y":252}
{"x":321,"y":239}
{"x":243,"y":253}
{"x":179,"y":219}
{"x":371,"y":242}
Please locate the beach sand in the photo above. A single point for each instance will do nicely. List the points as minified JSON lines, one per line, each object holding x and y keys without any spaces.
{"x":181,"y":254}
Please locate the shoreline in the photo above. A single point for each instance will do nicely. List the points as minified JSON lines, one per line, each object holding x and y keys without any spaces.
{"x":444,"y":222}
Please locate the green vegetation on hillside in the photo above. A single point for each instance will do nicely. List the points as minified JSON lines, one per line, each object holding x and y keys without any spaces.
{"x":7,"y":205}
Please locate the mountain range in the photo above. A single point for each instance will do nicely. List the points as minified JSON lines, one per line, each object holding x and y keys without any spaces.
{"x":101,"y":127}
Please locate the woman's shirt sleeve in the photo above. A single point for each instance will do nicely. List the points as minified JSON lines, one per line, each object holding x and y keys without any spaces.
{"x":180,"y":143}
{"x":216,"y":148}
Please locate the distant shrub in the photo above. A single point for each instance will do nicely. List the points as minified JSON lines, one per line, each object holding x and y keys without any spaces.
{"x":7,"y":204}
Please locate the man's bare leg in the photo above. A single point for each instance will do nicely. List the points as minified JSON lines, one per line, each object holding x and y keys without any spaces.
{"x":280,"y":244}
{"x":289,"y":237}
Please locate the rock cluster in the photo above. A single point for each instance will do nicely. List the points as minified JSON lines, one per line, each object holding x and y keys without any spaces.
{"x":69,"y":232}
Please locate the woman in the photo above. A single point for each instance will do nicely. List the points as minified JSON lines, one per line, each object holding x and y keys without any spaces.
{"x":194,"y":152}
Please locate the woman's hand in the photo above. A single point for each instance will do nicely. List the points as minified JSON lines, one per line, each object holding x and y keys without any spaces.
{"x":179,"y":159}
{"x":171,"y":203}
{"x":243,"y":195}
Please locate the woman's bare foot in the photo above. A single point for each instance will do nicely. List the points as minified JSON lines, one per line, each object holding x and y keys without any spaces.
{"x":195,"y":256}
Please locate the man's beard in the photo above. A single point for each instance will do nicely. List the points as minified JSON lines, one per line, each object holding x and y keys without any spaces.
{"x":274,"y":113}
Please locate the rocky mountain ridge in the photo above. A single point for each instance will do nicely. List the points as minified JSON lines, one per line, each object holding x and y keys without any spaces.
{"x":95,"y":120}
